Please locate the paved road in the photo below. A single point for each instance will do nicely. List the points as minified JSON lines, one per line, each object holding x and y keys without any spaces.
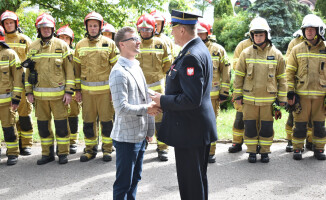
{"x":231,"y":177}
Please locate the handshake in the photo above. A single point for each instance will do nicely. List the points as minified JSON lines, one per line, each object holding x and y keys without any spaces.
{"x":154,"y":107}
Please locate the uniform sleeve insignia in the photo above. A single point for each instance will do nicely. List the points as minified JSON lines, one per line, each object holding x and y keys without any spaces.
{"x":158,"y":46}
{"x":58,"y":51}
{"x":190,"y":71}
{"x":270,"y":57}
{"x":5,"y":58}
{"x":22,"y":41}
{"x":216,"y":53}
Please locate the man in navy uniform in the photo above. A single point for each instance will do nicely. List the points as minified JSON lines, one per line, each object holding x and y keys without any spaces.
{"x":188,"y":122}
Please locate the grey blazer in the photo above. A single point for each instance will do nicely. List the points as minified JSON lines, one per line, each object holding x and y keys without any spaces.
{"x":130,"y":98}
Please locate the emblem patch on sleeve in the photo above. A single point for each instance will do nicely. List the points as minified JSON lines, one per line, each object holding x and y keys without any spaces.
{"x":190,"y":71}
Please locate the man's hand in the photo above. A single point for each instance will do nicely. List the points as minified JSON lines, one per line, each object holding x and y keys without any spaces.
{"x":14,"y":107}
{"x":153,"y":109}
{"x":239,"y":102}
{"x":67,"y":98}
{"x":30,"y":98}
{"x":157,"y":98}
{"x":78,"y":96}
{"x":291,"y":102}
{"x":149,"y":139}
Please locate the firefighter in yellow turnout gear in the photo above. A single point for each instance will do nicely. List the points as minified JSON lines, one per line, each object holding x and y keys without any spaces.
{"x":306,"y":79}
{"x":155,"y":60}
{"x":289,"y":123}
{"x":259,"y":82}
{"x":20,"y":44}
{"x":160,"y":23}
{"x":66,"y":34}
{"x":238,"y":125}
{"x":11,"y":87}
{"x":50,"y":81}
{"x":221,"y":74}
{"x":94,"y":57}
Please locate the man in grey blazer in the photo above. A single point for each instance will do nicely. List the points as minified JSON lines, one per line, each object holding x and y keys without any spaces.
{"x":134,"y":115}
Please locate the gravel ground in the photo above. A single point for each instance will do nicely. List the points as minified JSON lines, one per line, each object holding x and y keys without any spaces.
{"x":231,"y":177}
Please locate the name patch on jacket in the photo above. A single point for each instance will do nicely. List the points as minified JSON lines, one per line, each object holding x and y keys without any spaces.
{"x":58,"y":51}
{"x":158,"y":46}
{"x":190,"y":71}
{"x":105,"y":45}
{"x":270,"y":57}
{"x":322,"y":51}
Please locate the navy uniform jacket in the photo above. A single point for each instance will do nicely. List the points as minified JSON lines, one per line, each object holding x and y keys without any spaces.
{"x":188,"y":115}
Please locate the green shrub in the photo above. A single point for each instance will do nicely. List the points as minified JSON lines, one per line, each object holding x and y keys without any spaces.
{"x":230,"y":30}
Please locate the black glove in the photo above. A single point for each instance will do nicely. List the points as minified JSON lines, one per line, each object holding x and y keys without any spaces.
{"x":223,"y":97}
{"x":290,"y":95}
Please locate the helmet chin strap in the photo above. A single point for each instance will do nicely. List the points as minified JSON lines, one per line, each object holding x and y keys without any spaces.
{"x":206,"y":40}
{"x":260,"y":44}
{"x":93,"y":37}
{"x":148,"y":38}
{"x":45,"y":38}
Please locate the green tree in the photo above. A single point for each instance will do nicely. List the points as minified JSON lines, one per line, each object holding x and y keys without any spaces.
{"x":230,"y":30}
{"x":9,"y":5}
{"x":181,"y":5}
{"x":283,"y":16}
{"x":321,"y":7}
{"x":202,"y":5}
{"x":222,"y":7}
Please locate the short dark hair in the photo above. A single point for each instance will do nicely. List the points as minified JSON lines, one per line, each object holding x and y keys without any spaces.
{"x":190,"y":28}
{"x":120,"y":35}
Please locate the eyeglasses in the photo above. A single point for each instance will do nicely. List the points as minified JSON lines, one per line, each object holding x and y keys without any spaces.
{"x":146,"y":29}
{"x":134,"y":39}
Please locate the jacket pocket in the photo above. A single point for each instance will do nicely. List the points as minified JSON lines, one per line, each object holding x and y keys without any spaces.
{"x":271,"y":84}
{"x":302,"y":76}
{"x":104,"y":59}
{"x":322,"y":75}
{"x":5,"y":74}
{"x":248,"y":82}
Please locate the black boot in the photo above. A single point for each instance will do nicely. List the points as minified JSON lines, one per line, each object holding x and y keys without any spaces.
{"x":107,"y":157}
{"x":289,"y":147}
{"x":309,"y":145}
{"x":297,"y":154}
{"x":45,"y":159}
{"x":25,"y":151}
{"x":264,"y":158}
{"x":63,"y":159}
{"x":87,"y":157}
{"x":163,"y":155}
{"x":73,"y":148}
{"x":12,"y":160}
{"x":211,"y":159}
{"x":235,"y":148}
{"x":252,"y":157}
{"x":319,"y":154}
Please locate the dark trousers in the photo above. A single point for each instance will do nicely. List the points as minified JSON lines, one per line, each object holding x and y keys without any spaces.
{"x":129,"y":164}
{"x":192,"y":172}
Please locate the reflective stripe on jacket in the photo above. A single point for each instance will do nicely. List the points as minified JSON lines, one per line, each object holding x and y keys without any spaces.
{"x":260,"y":76}
{"x":305,"y":70}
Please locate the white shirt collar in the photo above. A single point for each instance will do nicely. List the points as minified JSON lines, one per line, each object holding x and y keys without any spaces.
{"x":188,"y":42}
{"x":128,"y":62}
